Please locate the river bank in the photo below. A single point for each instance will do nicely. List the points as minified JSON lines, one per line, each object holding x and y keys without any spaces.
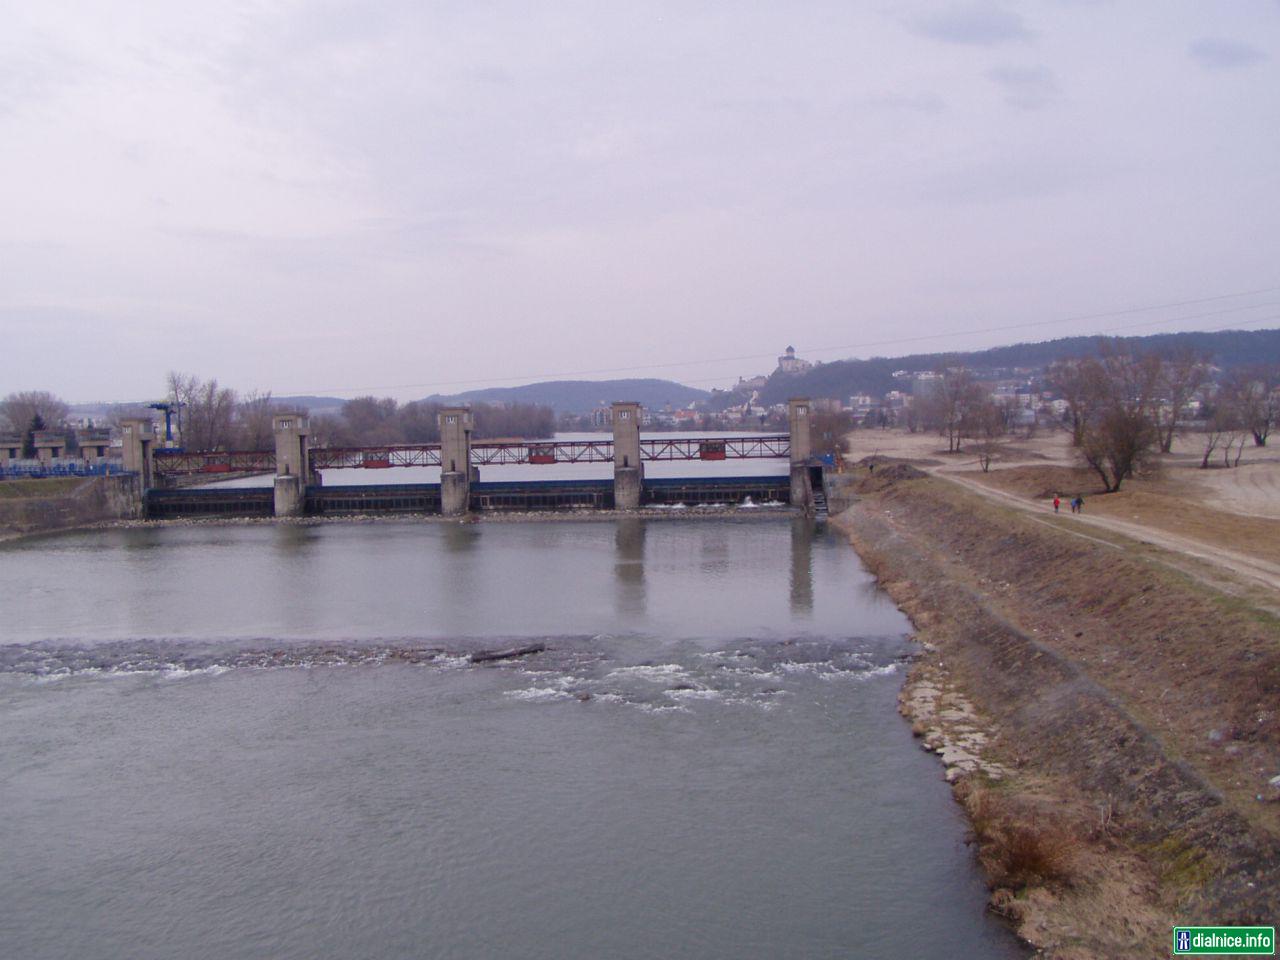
{"x":1109,"y":724}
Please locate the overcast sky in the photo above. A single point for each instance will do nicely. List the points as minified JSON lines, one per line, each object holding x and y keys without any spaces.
{"x":410,"y":197}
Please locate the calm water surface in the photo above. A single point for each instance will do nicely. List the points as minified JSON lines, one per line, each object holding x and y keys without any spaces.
{"x":268,"y":742}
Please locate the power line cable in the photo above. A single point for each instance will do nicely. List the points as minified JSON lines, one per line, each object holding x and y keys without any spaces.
{"x":855,"y":346}
{"x":812,"y":350}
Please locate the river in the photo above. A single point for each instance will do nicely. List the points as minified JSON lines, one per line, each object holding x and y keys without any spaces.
{"x":268,"y":741}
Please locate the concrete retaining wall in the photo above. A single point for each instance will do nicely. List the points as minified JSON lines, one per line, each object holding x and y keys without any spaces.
{"x":93,"y":500}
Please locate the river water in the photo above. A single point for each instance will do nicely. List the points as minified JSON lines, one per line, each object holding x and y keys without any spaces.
{"x":268,"y":741}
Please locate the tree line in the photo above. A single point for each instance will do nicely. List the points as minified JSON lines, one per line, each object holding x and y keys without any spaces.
{"x":1122,"y":407}
{"x":371,"y":421}
{"x":208,"y":416}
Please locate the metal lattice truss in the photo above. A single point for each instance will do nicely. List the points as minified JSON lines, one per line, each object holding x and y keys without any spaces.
{"x":484,"y":452}
{"x":759,"y":447}
{"x":174,"y":464}
{"x":397,"y":455}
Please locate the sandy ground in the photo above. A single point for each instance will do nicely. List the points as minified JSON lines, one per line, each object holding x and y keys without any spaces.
{"x":1223,"y":518}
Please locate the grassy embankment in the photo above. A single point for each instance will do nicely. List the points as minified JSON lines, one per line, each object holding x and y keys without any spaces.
{"x":1111,"y":725}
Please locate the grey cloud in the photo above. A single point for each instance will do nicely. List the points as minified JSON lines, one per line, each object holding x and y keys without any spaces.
{"x":1214,"y":53}
{"x":979,"y":26}
{"x":1028,"y":88}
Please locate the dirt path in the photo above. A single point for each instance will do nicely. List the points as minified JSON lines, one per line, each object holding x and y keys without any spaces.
{"x":1249,"y":569}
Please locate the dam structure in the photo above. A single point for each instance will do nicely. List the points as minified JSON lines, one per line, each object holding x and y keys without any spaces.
{"x":177,"y":483}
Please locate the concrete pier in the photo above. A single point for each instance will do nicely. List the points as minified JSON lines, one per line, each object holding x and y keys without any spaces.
{"x":293,"y":468}
{"x":798,"y":410}
{"x":628,"y":469}
{"x":137,"y":446}
{"x":456,"y":472}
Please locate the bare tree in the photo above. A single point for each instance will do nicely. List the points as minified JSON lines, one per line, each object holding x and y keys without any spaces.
{"x":987,"y":424}
{"x":1218,"y":428}
{"x":1116,"y":443}
{"x":1119,"y":429}
{"x":33,"y":410}
{"x":371,"y":420}
{"x":17,"y":410}
{"x":828,"y":429}
{"x":1254,"y":393}
{"x":253,"y":421}
{"x":1076,"y":382}
{"x":1182,"y":373}
{"x":950,"y":403}
{"x":208,"y":412}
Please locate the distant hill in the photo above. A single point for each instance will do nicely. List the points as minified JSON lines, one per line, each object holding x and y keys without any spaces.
{"x":841,"y":378}
{"x":583,"y":396}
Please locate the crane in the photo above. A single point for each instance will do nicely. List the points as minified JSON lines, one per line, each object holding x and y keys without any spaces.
{"x":169,"y":409}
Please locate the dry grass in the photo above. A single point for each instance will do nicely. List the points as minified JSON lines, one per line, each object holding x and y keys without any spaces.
{"x":1022,"y":842}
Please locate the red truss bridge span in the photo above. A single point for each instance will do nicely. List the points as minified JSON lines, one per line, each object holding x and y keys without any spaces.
{"x":483,"y":452}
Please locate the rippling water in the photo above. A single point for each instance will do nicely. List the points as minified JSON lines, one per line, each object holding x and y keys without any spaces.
{"x":224,"y":742}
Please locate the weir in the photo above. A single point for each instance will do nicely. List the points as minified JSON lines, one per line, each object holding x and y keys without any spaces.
{"x":297,"y":465}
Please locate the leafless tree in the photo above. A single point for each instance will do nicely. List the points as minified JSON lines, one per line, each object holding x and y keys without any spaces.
{"x":1254,"y":393}
{"x":987,"y":424}
{"x":253,"y":421}
{"x":950,"y":403}
{"x":1119,"y":429}
{"x":207,"y":418}
{"x":1079,"y":383}
{"x":1182,"y":373}
{"x":32,"y":410}
{"x":17,"y":410}
{"x":1116,"y":443}
{"x":828,"y":429}
{"x":1217,"y":429}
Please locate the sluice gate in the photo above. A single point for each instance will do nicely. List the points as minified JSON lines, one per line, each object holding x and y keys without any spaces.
{"x":210,"y":502}
{"x":425,"y":498}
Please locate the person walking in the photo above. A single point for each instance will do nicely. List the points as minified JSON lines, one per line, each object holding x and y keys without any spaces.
{"x":1056,"y":502}
{"x":1079,"y":504}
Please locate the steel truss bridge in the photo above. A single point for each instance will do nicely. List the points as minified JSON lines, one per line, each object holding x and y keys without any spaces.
{"x":483,"y":453}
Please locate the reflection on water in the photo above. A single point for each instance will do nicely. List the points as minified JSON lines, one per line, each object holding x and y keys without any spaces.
{"x":801,"y":566}
{"x":461,"y":537}
{"x":628,"y":566}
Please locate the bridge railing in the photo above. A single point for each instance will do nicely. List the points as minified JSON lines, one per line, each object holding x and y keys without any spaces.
{"x":174,"y":463}
{"x":541,"y":451}
{"x":717,"y":448}
{"x":62,"y":467}
{"x":372,"y":458}
{"x":483,"y":453}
